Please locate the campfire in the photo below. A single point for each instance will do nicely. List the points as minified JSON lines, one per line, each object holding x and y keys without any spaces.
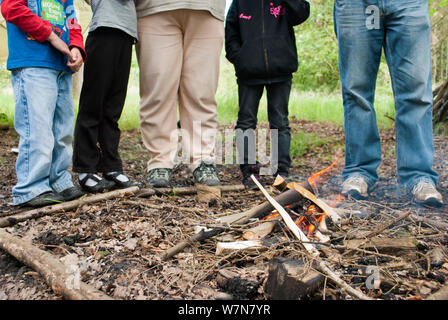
{"x":302,"y":239}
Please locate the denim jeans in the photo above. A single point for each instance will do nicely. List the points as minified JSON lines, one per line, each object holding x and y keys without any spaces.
{"x":278,"y":100}
{"x":402,"y":28}
{"x":44,"y":120}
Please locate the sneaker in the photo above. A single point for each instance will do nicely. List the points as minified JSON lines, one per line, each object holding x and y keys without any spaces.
{"x":121,"y":180}
{"x":160,"y":177}
{"x":426,"y":193}
{"x":44,"y":199}
{"x":247,"y":170}
{"x":206,"y":174}
{"x":70,"y":194}
{"x":356,"y":187}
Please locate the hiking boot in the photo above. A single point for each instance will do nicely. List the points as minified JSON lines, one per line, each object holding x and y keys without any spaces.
{"x":70,"y":194}
{"x":206,"y":174}
{"x":44,"y":199}
{"x":121,"y":180}
{"x":425,"y":192}
{"x":247,"y":170}
{"x":356,"y":187}
{"x":160,"y":177}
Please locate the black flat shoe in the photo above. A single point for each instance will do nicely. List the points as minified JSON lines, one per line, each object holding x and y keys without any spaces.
{"x":71,"y":194}
{"x":100,"y":186}
{"x":44,"y":199}
{"x":113,"y":176}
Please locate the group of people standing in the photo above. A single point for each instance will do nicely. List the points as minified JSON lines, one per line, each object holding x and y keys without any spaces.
{"x":178,"y":46}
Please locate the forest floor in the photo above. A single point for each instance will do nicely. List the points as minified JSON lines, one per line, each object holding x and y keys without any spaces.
{"x":117,"y":243}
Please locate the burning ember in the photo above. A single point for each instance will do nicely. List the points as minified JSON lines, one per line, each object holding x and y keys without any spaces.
{"x":311,"y":222}
{"x":310,"y":216}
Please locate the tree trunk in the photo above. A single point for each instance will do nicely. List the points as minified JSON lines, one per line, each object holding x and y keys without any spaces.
{"x":440,"y":109}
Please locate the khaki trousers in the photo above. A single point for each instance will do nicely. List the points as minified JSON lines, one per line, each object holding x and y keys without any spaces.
{"x":179,"y":55}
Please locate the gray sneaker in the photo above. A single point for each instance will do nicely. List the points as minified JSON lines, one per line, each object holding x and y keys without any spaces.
{"x":160,"y":177}
{"x":426,"y":193}
{"x":356,"y":187}
{"x":206,"y":174}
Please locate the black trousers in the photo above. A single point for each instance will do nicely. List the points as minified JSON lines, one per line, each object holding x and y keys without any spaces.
{"x":103,"y":93}
{"x":278,"y":100}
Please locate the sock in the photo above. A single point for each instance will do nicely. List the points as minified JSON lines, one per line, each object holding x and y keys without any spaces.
{"x":121,"y":177}
{"x":89,"y":182}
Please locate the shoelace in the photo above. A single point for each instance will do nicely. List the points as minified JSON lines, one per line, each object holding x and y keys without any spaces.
{"x":357,"y":180}
{"x":160,"y":173}
{"x":208,"y":170}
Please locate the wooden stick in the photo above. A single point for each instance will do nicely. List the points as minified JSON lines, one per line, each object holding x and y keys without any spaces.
{"x":200,"y":236}
{"x":54,"y":272}
{"x":387,"y":225}
{"x":66,"y":206}
{"x":285,"y":198}
{"x":332,"y":214}
{"x":378,"y":230}
{"x":148,"y":192}
{"x":288,"y":220}
{"x":310,"y":247}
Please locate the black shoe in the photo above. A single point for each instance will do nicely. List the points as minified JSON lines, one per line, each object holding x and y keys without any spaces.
{"x":44,"y":199}
{"x":283,"y":172}
{"x":206,"y":174}
{"x":72,"y":193}
{"x":113,"y":176}
{"x":247,"y":170}
{"x":100,"y":186}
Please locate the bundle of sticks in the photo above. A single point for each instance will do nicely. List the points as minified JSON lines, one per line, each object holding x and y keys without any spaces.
{"x":293,"y":194}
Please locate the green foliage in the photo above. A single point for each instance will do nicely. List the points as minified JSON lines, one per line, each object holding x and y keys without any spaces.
{"x":6,"y":110}
{"x":317,"y":49}
{"x":434,"y":5}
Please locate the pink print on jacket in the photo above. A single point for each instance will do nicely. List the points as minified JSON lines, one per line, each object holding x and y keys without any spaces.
{"x":242,"y":16}
{"x":277,"y":11}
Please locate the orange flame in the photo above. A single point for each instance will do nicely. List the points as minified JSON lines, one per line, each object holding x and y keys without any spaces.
{"x":314,"y":216}
{"x":314,"y":180}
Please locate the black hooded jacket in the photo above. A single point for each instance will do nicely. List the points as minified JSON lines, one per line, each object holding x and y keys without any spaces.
{"x":260,"y":40}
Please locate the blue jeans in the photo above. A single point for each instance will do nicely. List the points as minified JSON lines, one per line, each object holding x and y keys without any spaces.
{"x":402,"y":28}
{"x":44,"y":120}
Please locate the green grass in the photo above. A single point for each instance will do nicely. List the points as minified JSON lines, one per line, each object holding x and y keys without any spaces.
{"x":310,"y":105}
{"x":6,"y":109}
{"x":307,"y":105}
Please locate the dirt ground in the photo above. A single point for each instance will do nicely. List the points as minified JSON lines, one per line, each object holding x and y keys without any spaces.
{"x":117,"y":243}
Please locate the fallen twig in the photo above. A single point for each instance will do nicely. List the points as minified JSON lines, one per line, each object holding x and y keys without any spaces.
{"x":148,"y":192}
{"x":66,"y":206}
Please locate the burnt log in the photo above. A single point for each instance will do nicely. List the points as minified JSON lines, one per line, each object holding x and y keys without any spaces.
{"x":291,"y":279}
{"x":240,"y":288}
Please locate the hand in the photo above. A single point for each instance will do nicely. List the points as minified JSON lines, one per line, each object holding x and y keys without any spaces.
{"x":59,"y":45}
{"x":75,"y":63}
